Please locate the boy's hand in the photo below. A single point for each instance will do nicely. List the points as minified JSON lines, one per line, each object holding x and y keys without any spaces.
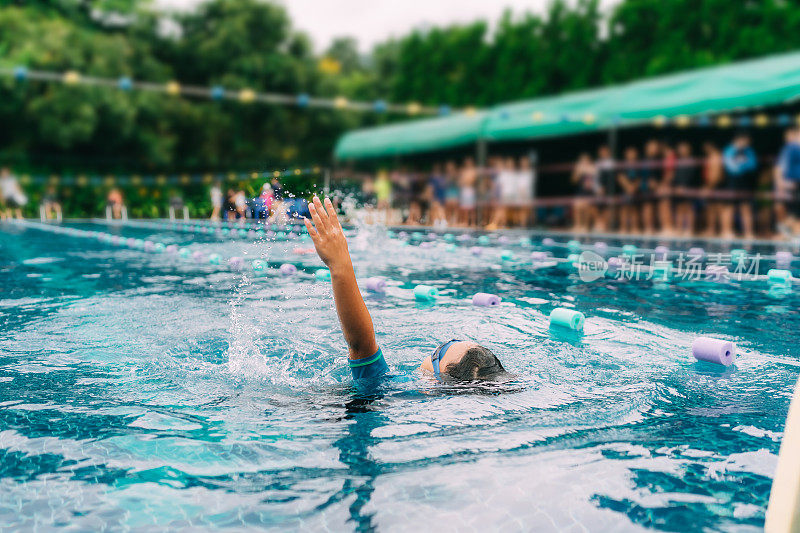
{"x":327,"y":234}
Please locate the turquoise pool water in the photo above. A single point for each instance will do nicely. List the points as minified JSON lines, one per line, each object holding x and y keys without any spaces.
{"x":146,"y":391}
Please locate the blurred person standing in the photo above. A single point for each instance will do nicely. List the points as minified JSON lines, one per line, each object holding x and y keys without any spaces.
{"x":686,"y":182}
{"x":452,"y":193}
{"x":51,"y":206}
{"x":438,"y":195}
{"x":663,"y":189}
{"x":607,"y":179}
{"x":713,"y":176}
{"x":383,"y":195}
{"x":628,"y":181}
{"x":115,"y":202}
{"x":467,"y":181}
{"x":525,"y":185}
{"x":648,"y":183}
{"x":503,"y":192}
{"x":787,"y":184}
{"x":216,"y":200}
{"x":584,"y":176}
{"x":739,"y":160}
{"x":11,"y":192}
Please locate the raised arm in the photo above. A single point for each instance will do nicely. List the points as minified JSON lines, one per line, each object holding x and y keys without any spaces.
{"x":331,"y":246}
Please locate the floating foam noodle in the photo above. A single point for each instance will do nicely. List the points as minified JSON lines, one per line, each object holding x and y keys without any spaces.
{"x":449,"y":237}
{"x":574,"y":245}
{"x":258,"y":265}
{"x":572,"y":260}
{"x":159,"y":247}
{"x":402,"y":235}
{"x":432,"y":236}
{"x":567,"y":318}
{"x":287,"y":269}
{"x":661,"y":252}
{"x":172,"y":248}
{"x":138,"y":243}
{"x":783,"y":258}
{"x":629,"y":249}
{"x":391,"y":234}
{"x":484,"y":299}
{"x":476,"y":250}
{"x":539,"y":256}
{"x":776,"y":276}
{"x":375,"y":284}
{"x":425,"y":293}
{"x":451,"y":247}
{"x":696,"y":252}
{"x":198,"y":256}
{"x":600,"y":246}
{"x":502,"y":239}
{"x":525,"y":241}
{"x":614,"y":264}
{"x":236,"y":263}
{"x":737,"y":254}
{"x":714,"y":350}
{"x":214,"y":259}
{"x":323,"y":274}
{"x":426,"y":244}
{"x":464,"y":237}
{"x":225,"y":231}
{"x":130,"y":242}
{"x":185,"y":253}
{"x":507,"y":255}
{"x":148,"y":246}
{"x":242,"y":233}
{"x":484,"y":240}
{"x":547,"y":241}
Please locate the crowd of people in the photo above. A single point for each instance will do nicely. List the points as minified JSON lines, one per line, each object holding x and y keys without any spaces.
{"x":272,"y":204}
{"x":656,"y":188}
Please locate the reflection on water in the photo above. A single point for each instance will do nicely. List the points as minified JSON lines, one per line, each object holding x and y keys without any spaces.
{"x":141,"y":391}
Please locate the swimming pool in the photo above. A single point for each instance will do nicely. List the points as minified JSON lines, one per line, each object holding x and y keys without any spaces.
{"x":149,"y":390}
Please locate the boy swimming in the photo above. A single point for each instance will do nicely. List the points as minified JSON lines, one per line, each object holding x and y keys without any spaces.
{"x":454,"y":359}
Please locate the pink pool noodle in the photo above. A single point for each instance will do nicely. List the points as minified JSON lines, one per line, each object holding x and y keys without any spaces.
{"x":547,"y":241}
{"x":783,"y":257}
{"x":198,"y":256}
{"x":287,"y":269}
{"x":483,"y":299}
{"x":476,"y":250}
{"x":375,"y":284}
{"x":236,"y":263}
{"x":172,"y":248}
{"x":538,"y":256}
{"x":714,"y":350}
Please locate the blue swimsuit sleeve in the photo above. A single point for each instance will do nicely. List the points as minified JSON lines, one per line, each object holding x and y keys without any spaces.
{"x":369,"y":367}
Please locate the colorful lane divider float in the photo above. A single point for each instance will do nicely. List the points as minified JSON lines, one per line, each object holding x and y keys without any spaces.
{"x":707,"y":349}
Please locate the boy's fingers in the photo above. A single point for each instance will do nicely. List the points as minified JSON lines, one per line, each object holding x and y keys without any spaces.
{"x":322,"y":214}
{"x":315,"y":216}
{"x":310,"y":228}
{"x":334,"y":220}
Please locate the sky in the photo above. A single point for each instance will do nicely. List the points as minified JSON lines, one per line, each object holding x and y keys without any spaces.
{"x":374,"y":21}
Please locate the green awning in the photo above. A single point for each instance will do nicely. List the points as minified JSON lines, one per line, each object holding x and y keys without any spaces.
{"x":762,"y":82}
{"x":411,"y":137}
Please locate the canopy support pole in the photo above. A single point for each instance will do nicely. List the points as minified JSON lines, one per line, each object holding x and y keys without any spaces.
{"x":480,"y":162}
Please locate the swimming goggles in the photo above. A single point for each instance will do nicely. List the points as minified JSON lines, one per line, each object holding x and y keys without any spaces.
{"x":439,"y":353}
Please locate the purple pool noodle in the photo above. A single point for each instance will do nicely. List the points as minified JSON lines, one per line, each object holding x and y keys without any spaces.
{"x":375,"y":284}
{"x":717,"y":273}
{"x":269,"y":234}
{"x":600,"y":246}
{"x":661,"y":252}
{"x":198,"y":256}
{"x":403,"y":235}
{"x":696,"y":252}
{"x":115,"y":239}
{"x":172,"y":248}
{"x":426,"y":244}
{"x":251,"y":234}
{"x":783,"y":257}
{"x":464,"y":237}
{"x":432,"y":236}
{"x":287,"y":269}
{"x":547,"y":241}
{"x":476,"y":250}
{"x":131,"y":242}
{"x":502,"y":240}
{"x":149,"y":245}
{"x":483,"y":299}
{"x":539,"y":256}
{"x":614,"y":264}
{"x":236,"y":263}
{"x":292,"y":235}
{"x":714,"y":350}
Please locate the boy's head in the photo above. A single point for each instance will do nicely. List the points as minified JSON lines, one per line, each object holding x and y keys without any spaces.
{"x":464,"y":361}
